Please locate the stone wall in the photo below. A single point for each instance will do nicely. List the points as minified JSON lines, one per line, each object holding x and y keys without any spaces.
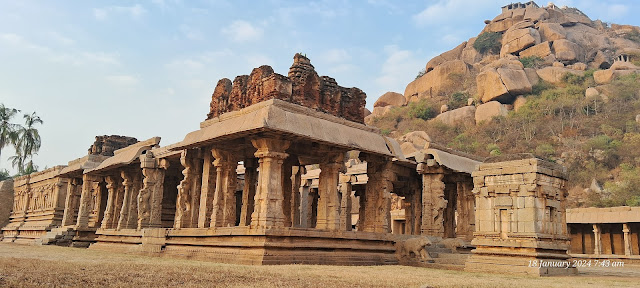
{"x":302,"y":86}
{"x":38,"y":205}
{"x":520,"y":217}
{"x":6,"y":201}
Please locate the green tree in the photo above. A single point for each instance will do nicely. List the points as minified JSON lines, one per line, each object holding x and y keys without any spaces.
{"x":27,"y":144}
{"x":8,"y":130}
{"x":488,"y":42}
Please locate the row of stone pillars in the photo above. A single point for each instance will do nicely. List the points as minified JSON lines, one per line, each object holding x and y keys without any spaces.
{"x":207,"y":194}
{"x":597,"y":231}
{"x":134,"y":197}
{"x":440,"y":202}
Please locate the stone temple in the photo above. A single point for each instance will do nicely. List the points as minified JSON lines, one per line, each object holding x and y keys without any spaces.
{"x":284,"y":171}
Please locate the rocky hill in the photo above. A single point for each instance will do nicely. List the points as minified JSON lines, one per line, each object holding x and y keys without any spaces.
{"x":543,"y":80}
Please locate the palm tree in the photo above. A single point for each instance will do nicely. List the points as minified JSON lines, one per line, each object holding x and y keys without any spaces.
{"x":18,"y":161}
{"x":28,"y":136}
{"x":27,"y":144}
{"x":8,"y":131}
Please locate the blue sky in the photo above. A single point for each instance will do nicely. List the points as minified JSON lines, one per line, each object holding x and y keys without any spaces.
{"x":148,"y":68}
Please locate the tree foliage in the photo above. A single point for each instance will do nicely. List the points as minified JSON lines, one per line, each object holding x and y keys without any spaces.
{"x":25,"y":138}
{"x":488,"y":42}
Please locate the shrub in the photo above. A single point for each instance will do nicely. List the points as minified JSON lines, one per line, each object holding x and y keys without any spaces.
{"x":494,"y":149}
{"x":531,"y":62}
{"x":633,"y":36}
{"x":422,"y":110}
{"x":488,"y":42}
{"x":421,"y":73}
{"x":457,"y":100}
{"x":545,"y":151}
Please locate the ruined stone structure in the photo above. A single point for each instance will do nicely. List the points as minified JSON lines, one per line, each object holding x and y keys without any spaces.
{"x":519,"y":5}
{"x":106,"y":144}
{"x":266,"y":180}
{"x":447,"y":203}
{"x":605,"y":233}
{"x":38,"y":205}
{"x":520,"y":218}
{"x":302,"y":86}
{"x":46,"y":204}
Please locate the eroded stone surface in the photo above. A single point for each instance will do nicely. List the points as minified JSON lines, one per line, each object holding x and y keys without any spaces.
{"x":302,"y":86}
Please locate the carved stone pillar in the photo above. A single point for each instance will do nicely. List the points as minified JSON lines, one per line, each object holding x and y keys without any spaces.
{"x":59,"y":193}
{"x":249,"y":192}
{"x":627,"y":239}
{"x":268,"y":211}
{"x":298,"y":171}
{"x":84,"y":210}
{"x":151,"y":194}
{"x":287,"y":190}
{"x":377,"y":206}
{"x":69,"y":207}
{"x":345,"y":205}
{"x":183,"y":201}
{"x":132,"y":215}
{"x":208,"y":190}
{"x":597,"y":249}
{"x":305,"y":205}
{"x":123,"y":222}
{"x":196,"y":188}
{"x":433,"y":204}
{"x":224,"y":201}
{"x":328,"y":203}
{"x":112,"y":185}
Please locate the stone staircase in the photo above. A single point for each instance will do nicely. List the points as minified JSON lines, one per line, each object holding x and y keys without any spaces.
{"x":61,"y":236}
{"x":445,"y":258}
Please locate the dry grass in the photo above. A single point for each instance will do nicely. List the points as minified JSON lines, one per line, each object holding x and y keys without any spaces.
{"x":47,"y":266}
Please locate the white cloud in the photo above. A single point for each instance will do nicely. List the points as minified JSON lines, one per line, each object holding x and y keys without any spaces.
{"x":453,"y":11}
{"x":60,"y":39}
{"x":123,"y":80}
{"x":397,"y":70}
{"x":197,"y":62}
{"x":135,"y":11}
{"x":191,"y":33}
{"x":336,"y":56}
{"x":257,"y":60}
{"x":11,"y":38}
{"x":65,"y":56}
{"x":391,"y":7}
{"x":243,"y":31}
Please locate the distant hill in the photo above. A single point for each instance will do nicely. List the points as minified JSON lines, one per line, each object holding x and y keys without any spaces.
{"x":543,"y":80}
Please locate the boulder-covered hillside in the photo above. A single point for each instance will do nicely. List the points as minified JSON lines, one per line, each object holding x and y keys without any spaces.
{"x":543,"y":80}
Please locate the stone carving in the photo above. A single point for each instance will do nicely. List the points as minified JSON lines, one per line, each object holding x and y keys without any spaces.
{"x":414,"y":248}
{"x":453,"y":244}
{"x":183,"y":203}
{"x":302,"y":86}
{"x":106,"y":144}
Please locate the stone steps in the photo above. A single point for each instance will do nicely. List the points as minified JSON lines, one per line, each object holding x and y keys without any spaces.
{"x":61,"y":236}
{"x":444,"y":258}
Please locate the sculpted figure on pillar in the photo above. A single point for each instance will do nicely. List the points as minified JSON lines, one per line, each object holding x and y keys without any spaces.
{"x":86,"y":205}
{"x":112,"y":185}
{"x":150,"y":197}
{"x":183,"y":203}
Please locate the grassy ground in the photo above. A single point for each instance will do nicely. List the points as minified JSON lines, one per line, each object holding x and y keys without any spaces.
{"x":49,"y":266}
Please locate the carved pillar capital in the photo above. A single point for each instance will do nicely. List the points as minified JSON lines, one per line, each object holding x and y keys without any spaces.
{"x":268,"y":211}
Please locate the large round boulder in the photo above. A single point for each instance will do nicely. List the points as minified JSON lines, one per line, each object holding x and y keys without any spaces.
{"x":390,"y":99}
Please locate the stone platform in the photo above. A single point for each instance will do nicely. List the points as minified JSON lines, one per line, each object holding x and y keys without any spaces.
{"x":242,"y":245}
